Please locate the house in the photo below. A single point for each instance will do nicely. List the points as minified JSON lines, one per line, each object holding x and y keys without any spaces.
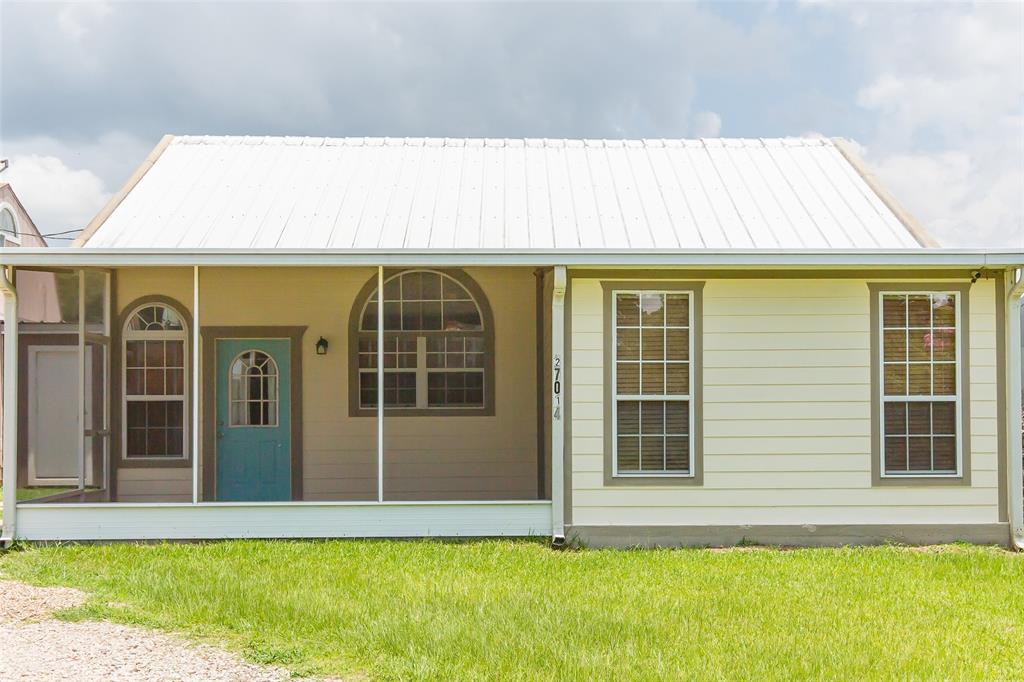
{"x":659,"y":342}
{"x":39,"y":304}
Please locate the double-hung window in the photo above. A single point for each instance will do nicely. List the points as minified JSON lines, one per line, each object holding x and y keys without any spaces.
{"x":652,"y":383}
{"x":920,"y":411}
{"x":155,"y":347}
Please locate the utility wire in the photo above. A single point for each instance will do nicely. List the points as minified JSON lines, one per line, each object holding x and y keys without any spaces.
{"x":52,"y":235}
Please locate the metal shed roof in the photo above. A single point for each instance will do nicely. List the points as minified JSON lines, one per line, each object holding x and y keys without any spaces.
{"x":451,"y":194}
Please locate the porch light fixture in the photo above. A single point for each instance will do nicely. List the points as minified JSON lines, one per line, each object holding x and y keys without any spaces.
{"x":321,"y":346}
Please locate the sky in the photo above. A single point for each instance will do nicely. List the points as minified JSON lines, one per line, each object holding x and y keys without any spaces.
{"x":932,"y":93}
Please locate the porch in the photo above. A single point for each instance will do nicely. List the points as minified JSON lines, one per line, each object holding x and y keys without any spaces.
{"x":221,"y":402}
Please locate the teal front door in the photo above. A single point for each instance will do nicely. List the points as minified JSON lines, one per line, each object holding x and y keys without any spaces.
{"x":254,"y":462}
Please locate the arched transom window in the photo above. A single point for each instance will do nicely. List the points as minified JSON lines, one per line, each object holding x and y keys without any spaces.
{"x":436,"y":353}
{"x":155,"y":388}
{"x":253,"y":391}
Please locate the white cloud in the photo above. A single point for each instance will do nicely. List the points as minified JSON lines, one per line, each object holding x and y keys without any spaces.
{"x":946,"y":84}
{"x":706,"y":124}
{"x":63,"y":183}
{"x":76,"y":20}
{"x":56,"y":196}
{"x":112,"y":156}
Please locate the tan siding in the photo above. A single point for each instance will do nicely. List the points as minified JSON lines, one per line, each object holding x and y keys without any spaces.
{"x":787,"y":414}
{"x":426,"y":457}
{"x":154,"y":485}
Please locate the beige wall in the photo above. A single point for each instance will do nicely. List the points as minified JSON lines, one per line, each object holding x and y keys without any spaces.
{"x":787,"y":407}
{"x":426,"y":457}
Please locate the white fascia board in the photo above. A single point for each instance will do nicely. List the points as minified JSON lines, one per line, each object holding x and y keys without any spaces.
{"x":778,"y":258}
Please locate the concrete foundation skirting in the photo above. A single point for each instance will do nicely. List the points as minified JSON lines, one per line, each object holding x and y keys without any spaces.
{"x":796,"y":536}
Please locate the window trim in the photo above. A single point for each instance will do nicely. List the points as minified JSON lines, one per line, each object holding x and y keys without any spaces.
{"x":487,"y":318}
{"x":12,"y":238}
{"x":123,"y":460}
{"x":695,"y":477}
{"x":962,"y":477}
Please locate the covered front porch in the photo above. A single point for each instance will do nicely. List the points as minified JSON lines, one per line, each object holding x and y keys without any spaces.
{"x":213,"y":402}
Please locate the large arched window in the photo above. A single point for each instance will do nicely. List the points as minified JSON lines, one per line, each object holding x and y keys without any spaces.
{"x":155,"y":383}
{"x":438,"y":345}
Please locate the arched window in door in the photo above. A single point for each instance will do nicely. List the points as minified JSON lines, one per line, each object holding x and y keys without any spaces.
{"x":438,"y":345}
{"x":253,"y":392}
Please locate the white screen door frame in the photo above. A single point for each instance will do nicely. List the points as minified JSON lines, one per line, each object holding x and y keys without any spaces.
{"x":41,"y":418}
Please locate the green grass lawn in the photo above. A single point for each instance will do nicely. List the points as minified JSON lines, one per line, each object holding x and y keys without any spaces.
{"x":518,"y":610}
{"x":26,"y":494}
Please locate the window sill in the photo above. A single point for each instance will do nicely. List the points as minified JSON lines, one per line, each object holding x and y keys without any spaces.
{"x":390,"y":412}
{"x":922,"y":480}
{"x":664,"y":481}
{"x":154,"y":462}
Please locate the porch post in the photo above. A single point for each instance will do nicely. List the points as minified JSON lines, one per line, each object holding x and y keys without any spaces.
{"x":195,"y":384}
{"x":557,"y":408}
{"x":81,"y":379}
{"x":10,"y":404}
{"x":380,"y":383}
{"x":1015,"y":470}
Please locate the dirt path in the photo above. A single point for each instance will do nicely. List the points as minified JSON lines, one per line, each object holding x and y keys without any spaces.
{"x":35,"y":647}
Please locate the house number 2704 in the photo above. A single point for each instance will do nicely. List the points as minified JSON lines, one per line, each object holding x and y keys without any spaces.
{"x":556,"y":387}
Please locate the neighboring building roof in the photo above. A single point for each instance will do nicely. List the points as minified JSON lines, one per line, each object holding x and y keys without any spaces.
{"x":28,"y":233}
{"x":445,"y":194}
{"x":37,"y":291}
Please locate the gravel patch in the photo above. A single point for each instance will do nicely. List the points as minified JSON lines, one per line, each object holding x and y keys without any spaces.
{"x":19,"y":602}
{"x":36,"y":648}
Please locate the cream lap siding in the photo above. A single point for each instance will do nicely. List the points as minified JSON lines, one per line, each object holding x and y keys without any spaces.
{"x":786,"y":413}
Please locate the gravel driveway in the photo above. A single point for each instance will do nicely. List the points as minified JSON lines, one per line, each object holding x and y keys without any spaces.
{"x":35,"y":647}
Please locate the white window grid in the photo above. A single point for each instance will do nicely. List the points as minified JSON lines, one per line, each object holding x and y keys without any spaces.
{"x":270,"y":377}
{"x":414,"y":304}
{"x":642,"y":397}
{"x":420,"y":369}
{"x":418,"y":362}
{"x":931,"y":397}
{"x":128,"y":334}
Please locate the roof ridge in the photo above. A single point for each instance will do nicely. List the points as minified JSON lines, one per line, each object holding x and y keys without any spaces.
{"x":517,"y":142}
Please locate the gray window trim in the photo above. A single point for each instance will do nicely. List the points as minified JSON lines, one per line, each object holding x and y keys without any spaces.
{"x":355,"y":316}
{"x":696,"y":477}
{"x":963,"y":478}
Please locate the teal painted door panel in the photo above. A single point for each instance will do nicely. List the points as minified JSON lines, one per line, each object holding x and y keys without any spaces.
{"x":254,"y":462}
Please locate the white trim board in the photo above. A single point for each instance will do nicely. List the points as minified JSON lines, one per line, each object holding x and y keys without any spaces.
{"x":104,"y":522}
{"x":802,"y":258}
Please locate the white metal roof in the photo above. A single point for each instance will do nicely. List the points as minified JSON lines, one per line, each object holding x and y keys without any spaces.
{"x":453,"y":194}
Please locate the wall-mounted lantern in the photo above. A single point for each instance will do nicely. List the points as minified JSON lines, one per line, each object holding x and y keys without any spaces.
{"x":321,"y":346}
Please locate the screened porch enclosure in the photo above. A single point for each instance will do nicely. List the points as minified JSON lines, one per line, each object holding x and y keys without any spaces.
{"x":63,"y":358}
{"x":249,"y":386}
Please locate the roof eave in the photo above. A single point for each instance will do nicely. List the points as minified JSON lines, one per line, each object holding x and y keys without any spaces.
{"x":120,"y":195}
{"x":906,"y":218}
{"x":678,"y":258}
